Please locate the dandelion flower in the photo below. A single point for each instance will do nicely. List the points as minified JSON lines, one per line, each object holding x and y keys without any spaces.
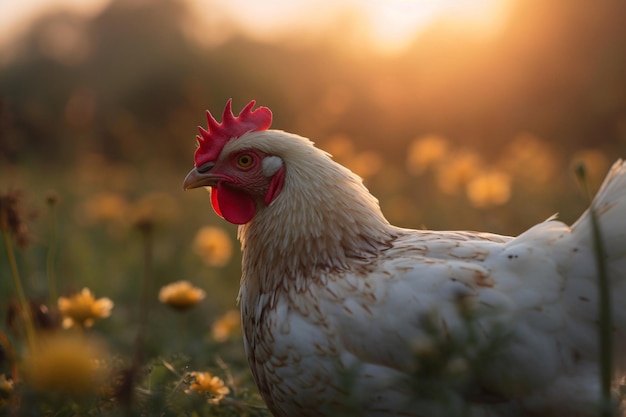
{"x":104,"y":207}
{"x":489,"y":189}
{"x":12,"y":218}
{"x":83,"y":309}
{"x":67,"y":365}
{"x":206,"y":383}
{"x":213,"y":245}
{"x":181,"y":295}
{"x":596,"y":164}
{"x":5,"y":384}
{"x":456,"y":171}
{"x":6,"y":388}
{"x":52,"y":198}
{"x":365,"y":164}
{"x":155,"y":207}
{"x":531,"y":160}
{"x":424,"y":152}
{"x":226,"y":325}
{"x":340,"y":147}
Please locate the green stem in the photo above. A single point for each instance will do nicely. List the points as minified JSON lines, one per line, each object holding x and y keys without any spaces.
{"x":131,"y":374}
{"x":606,"y":325}
{"x":145,"y":292}
{"x":52,"y":287}
{"x":147,"y":277}
{"x":26,"y":316}
{"x":183,"y":331}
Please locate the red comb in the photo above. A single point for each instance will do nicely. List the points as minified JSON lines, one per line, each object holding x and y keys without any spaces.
{"x":211,"y":141}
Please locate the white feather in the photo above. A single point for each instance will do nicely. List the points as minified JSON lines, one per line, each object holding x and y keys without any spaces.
{"x":340,"y":308}
{"x":270,"y":165}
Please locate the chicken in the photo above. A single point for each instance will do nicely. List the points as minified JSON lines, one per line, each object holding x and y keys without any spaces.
{"x":346,"y":314}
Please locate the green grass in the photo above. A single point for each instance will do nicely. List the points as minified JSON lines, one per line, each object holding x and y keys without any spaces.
{"x":150,"y":349}
{"x":144,"y":242}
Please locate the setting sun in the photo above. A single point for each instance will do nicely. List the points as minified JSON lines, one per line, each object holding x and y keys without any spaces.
{"x":389,"y":26}
{"x":394,"y":24}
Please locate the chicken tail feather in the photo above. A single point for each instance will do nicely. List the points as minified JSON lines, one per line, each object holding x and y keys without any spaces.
{"x":609,"y":205}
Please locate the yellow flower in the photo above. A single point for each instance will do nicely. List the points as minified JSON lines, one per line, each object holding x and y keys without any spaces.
{"x":205,"y":383}
{"x":596,"y":164}
{"x":83,"y":309}
{"x":181,"y":295}
{"x":424,"y":152}
{"x":529,"y":159}
{"x":154,"y":207}
{"x":67,"y":365}
{"x":6,"y":388}
{"x":489,"y":189}
{"x":213,"y":245}
{"x":340,"y":147}
{"x":365,"y":164}
{"x":105,"y":206}
{"x":456,"y":171}
{"x":226,"y":325}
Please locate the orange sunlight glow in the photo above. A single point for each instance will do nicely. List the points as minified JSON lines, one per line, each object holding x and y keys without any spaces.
{"x":393,"y":24}
{"x":389,"y":26}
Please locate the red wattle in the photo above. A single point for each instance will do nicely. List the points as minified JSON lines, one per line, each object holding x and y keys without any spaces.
{"x":215,"y":203}
{"x":232,"y":204}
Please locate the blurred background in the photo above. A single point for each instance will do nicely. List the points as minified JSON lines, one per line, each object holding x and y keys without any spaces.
{"x":458,"y":115}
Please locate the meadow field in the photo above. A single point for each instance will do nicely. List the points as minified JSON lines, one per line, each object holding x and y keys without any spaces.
{"x":98,"y":117}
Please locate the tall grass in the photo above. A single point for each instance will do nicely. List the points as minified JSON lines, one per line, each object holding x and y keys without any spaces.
{"x":149,"y":366}
{"x":97,"y":368}
{"x":605,"y":320}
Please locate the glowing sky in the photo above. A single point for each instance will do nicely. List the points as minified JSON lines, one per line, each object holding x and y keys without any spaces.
{"x":390,"y":24}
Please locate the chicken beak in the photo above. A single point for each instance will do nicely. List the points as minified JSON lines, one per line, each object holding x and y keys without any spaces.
{"x":200,"y":177}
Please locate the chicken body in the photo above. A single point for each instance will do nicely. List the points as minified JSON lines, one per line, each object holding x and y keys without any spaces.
{"x":345,"y":314}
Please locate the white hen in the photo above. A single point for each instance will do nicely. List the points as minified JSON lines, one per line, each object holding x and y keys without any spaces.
{"x":344,"y":313}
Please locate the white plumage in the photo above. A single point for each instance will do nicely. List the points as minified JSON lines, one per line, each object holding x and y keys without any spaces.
{"x":345,"y":314}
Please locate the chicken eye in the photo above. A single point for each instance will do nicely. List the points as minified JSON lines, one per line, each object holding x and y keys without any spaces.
{"x":244,"y":160}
